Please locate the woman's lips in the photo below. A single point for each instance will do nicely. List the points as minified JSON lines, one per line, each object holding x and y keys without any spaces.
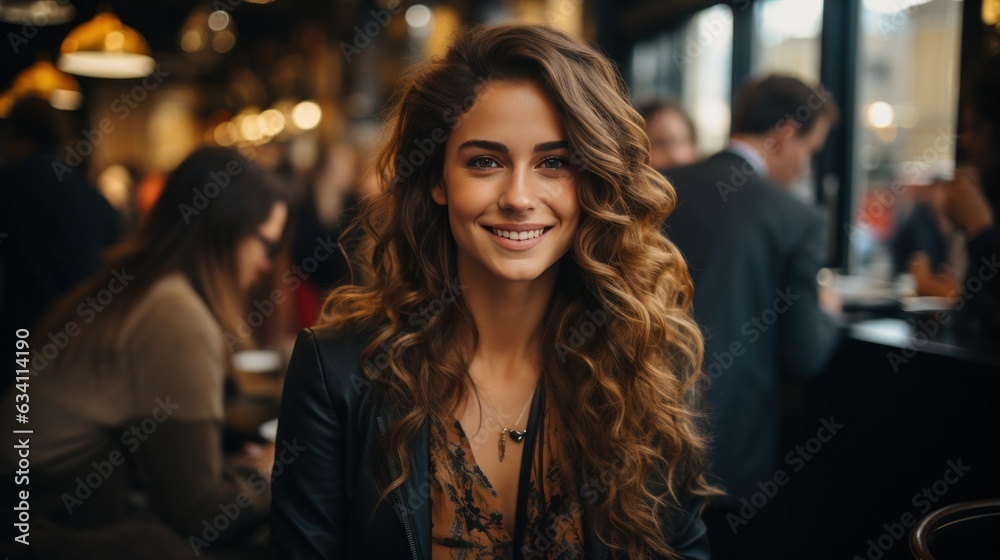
{"x":511,"y":238}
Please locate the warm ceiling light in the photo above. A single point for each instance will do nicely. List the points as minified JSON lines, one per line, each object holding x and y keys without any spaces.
{"x":44,"y":80}
{"x":104,"y":47}
{"x":218,"y":20}
{"x":418,"y":15}
{"x":991,"y":12}
{"x":36,"y":12}
{"x":306,"y":115}
{"x":880,"y":114}
{"x":273,"y":122}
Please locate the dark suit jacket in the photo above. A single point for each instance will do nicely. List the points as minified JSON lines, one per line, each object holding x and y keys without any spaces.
{"x":753,"y":253}
{"x":323,"y":500}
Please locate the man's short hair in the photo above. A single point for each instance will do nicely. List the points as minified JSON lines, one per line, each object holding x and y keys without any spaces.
{"x":767,"y":103}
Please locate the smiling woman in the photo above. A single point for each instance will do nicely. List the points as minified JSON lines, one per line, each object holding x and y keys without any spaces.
{"x":546,"y":409}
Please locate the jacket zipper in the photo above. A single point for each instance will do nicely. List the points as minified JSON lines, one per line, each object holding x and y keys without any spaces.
{"x":398,"y":493}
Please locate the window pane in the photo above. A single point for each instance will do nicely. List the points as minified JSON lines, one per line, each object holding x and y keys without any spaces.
{"x":694,"y":64}
{"x":787,"y":38}
{"x":908,"y":63}
{"x":787,"y":41}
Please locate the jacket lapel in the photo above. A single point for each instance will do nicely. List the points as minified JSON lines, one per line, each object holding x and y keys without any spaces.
{"x":412,"y":500}
{"x":418,"y":491}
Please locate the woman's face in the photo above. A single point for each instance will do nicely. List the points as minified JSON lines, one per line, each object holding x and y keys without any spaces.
{"x":254,"y":253}
{"x":510,"y":189}
{"x":670,"y":140}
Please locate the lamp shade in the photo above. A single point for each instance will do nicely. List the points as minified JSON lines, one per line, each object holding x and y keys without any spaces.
{"x":36,"y":12}
{"x":104,"y":47}
{"x":44,"y":80}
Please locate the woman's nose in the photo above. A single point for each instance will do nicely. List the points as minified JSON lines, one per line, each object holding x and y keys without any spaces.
{"x":518,"y":192}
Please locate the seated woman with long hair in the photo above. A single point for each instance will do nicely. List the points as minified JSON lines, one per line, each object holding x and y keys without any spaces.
{"x":515,"y":375}
{"x":127,"y":386}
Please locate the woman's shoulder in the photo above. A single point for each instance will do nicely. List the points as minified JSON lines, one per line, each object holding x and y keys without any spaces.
{"x":334,"y":356}
{"x":173,"y":304}
{"x":337,"y":351}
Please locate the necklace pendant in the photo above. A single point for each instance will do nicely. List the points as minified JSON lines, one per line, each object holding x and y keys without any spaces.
{"x":502,"y":444}
{"x":517,"y":436}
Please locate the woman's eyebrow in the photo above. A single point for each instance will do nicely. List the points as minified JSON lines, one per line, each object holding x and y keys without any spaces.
{"x":551,"y":146}
{"x":485,"y":145}
{"x":502,"y":148}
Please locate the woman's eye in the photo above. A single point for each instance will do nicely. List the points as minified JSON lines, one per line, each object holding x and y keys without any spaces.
{"x":483,"y":162}
{"x":553,"y":162}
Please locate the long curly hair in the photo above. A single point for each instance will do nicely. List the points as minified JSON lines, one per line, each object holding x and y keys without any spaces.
{"x":628,"y":389}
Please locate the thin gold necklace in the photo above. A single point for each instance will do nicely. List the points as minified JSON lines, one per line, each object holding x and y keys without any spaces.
{"x":516,"y":435}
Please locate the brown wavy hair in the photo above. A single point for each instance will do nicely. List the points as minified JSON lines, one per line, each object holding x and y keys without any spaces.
{"x":627,"y":392}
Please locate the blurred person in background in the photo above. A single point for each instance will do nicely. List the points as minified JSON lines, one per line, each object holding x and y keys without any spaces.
{"x":922,"y":245}
{"x":55,"y":224}
{"x":320,"y":219}
{"x":973,"y":198}
{"x":925,"y":229}
{"x":753,"y":250}
{"x":672,"y":137}
{"x":128,"y":382}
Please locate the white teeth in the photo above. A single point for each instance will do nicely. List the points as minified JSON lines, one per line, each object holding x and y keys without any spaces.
{"x":518,"y":235}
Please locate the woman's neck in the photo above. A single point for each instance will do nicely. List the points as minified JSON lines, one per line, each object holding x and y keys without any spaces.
{"x":509,"y":318}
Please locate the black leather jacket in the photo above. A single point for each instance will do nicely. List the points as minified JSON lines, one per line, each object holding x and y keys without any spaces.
{"x":323,"y":499}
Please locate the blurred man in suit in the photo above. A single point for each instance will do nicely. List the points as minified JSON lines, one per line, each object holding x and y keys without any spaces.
{"x":753,"y":250}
